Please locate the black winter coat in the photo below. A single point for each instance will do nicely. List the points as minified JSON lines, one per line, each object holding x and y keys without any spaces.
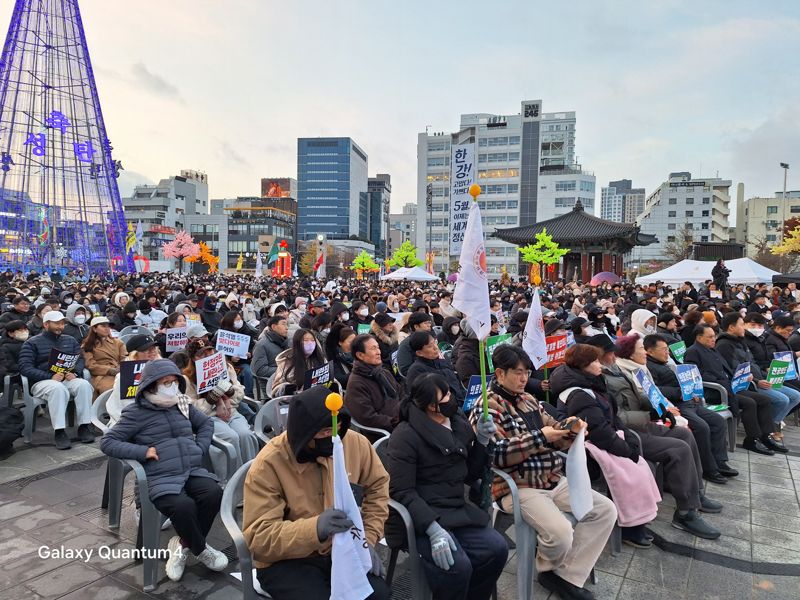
{"x":759,"y":350}
{"x":9,"y":356}
{"x":428,"y":466}
{"x":775,"y":343}
{"x":34,"y":358}
{"x":466,"y":359}
{"x":666,"y":380}
{"x":442,"y":367}
{"x":597,"y":408}
{"x":735,"y":351}
{"x":714,"y":369}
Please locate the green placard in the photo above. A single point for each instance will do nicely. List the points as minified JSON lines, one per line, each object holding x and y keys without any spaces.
{"x":363,"y":328}
{"x":678,"y":350}
{"x":777,"y":373}
{"x":492,"y":343}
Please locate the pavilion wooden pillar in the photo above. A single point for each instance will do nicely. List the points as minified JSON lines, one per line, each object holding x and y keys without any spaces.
{"x":585,"y":271}
{"x":606,"y":262}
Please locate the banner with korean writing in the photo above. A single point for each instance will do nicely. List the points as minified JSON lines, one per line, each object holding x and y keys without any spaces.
{"x":657,"y":400}
{"x":393,"y":359}
{"x":363,"y":328}
{"x":194,"y":318}
{"x":777,"y":373}
{"x":62,"y":362}
{"x":474,"y":391}
{"x":492,"y":343}
{"x":462,"y":175}
{"x":320,"y":376}
{"x":210,"y":371}
{"x":556,"y":349}
{"x":232,"y":343}
{"x":789,"y":359}
{"x":741,"y":378}
{"x":130,"y":375}
{"x":176,"y":339}
{"x":691,"y":381}
{"x":678,"y":351}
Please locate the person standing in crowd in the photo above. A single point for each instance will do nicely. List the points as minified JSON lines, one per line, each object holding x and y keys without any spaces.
{"x":720,"y":274}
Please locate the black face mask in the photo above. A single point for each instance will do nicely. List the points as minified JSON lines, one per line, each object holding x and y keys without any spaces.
{"x":447,"y":409}
{"x":322,"y":447}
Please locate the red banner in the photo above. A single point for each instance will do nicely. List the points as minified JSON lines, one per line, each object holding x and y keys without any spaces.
{"x":556,"y":349}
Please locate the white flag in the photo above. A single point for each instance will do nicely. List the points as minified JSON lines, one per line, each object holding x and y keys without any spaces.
{"x":259,"y":265}
{"x":350,"y":554}
{"x":472,"y":289}
{"x":140,"y":237}
{"x":533,"y":341}
{"x":580,"y":487}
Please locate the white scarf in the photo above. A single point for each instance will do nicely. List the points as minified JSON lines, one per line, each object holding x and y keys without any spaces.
{"x":182,"y":400}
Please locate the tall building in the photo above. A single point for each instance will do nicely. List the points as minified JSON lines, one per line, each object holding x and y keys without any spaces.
{"x":525,"y":165}
{"x":163,"y":208}
{"x":332,"y":192}
{"x":761,"y":220}
{"x":683,"y":207}
{"x":621,"y":202}
{"x":402,"y":227}
{"x":380,"y":193}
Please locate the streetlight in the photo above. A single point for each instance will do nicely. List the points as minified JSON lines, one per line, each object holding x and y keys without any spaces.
{"x":429,"y":203}
{"x":785,"y":167}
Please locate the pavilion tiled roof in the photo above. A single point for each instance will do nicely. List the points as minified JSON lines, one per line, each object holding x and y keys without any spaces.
{"x":576,"y":226}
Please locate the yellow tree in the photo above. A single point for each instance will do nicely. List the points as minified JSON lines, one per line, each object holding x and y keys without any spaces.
{"x":544,"y":252}
{"x":405,"y":255}
{"x":307,"y":260}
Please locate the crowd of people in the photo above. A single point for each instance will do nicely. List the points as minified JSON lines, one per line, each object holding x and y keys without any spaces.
{"x":402,"y":355}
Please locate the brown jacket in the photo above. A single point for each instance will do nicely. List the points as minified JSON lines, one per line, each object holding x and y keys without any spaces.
{"x":103,"y":362}
{"x":282,"y":499}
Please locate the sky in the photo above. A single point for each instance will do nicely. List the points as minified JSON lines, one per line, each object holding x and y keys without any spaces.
{"x":228,"y":87}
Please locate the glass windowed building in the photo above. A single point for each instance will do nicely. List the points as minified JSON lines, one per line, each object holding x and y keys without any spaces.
{"x":332,"y":192}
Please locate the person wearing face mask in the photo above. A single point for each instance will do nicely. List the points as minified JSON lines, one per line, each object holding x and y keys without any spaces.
{"x":293,"y":364}
{"x":361,"y":316}
{"x":373,"y":394}
{"x":14,"y":335}
{"x":668,"y":328}
{"x":103,"y":354}
{"x":77,"y":324}
{"x":643,"y":322}
{"x":124,"y":318}
{"x":451,"y":329}
{"x":288,"y":517}
{"x":430,"y":456}
{"x":234,"y":322}
{"x":169,"y":436}
{"x":66,"y":298}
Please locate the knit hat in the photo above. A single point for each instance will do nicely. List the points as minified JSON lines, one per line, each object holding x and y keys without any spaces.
{"x":418,"y":318}
{"x":15,"y":325}
{"x":381,"y":307}
{"x":552,"y":326}
{"x":154,"y":371}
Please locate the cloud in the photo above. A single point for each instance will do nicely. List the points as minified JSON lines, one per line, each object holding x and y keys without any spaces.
{"x":229,"y":154}
{"x":144,"y":78}
{"x":129,"y":180}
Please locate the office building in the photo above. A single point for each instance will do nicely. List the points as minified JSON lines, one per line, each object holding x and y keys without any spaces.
{"x":402,"y":227}
{"x":683,"y":208}
{"x":760,"y":220}
{"x":332,"y":190}
{"x":525,"y":165}
{"x":621,"y":202}
{"x":380,"y":192}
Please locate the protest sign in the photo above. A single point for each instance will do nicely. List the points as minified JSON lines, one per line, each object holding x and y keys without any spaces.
{"x":474,"y":391}
{"x":462,"y":175}
{"x":193,"y":317}
{"x":556,"y":349}
{"x":777,"y":373}
{"x":176,"y":339}
{"x":130,"y":375}
{"x":788,"y":359}
{"x":715,"y":294}
{"x":657,"y":400}
{"x":678,"y":350}
{"x":363,"y":328}
{"x":492,"y":343}
{"x":232,"y":343}
{"x":691,"y":382}
{"x":393,"y":359}
{"x":62,"y":362}
{"x":210,"y":371}
{"x":741,"y":378}
{"x":320,"y":376}
{"x":570,"y":339}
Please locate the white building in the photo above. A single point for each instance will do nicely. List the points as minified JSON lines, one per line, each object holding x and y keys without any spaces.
{"x":621,"y":202}
{"x":525,"y":165}
{"x":761,"y":219}
{"x":698,"y":207}
{"x":402,"y":227}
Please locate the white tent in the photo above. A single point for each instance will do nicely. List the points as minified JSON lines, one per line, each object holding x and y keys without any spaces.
{"x":411,"y":274}
{"x":396,"y":275}
{"x":743,"y":270}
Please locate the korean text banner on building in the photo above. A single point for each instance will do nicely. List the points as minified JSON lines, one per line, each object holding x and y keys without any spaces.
{"x":462,"y":175}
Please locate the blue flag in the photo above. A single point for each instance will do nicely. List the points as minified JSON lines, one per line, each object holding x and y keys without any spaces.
{"x":741,"y":378}
{"x":474,"y":391}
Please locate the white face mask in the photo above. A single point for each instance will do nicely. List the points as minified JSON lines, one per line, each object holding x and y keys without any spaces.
{"x":345,"y":316}
{"x":650,"y":329}
{"x":68,"y":301}
{"x":363,"y":312}
{"x":80,"y":319}
{"x":21,"y":335}
{"x":238,"y":324}
{"x":757,"y":331}
{"x":168,"y":391}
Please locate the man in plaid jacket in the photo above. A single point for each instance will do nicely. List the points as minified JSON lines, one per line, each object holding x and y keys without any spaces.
{"x":526,"y":447}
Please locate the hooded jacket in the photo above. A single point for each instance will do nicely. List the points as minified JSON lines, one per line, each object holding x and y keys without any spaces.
{"x":180,"y":442}
{"x":287,"y":489}
{"x":266,"y":351}
{"x":72,"y":327}
{"x":446,"y":336}
{"x":638,"y":320}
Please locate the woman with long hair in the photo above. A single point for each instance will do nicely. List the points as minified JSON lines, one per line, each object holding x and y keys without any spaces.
{"x":103,"y":353}
{"x":338,"y":349}
{"x":305,"y":354}
{"x":234,"y":321}
{"x":174,"y":320}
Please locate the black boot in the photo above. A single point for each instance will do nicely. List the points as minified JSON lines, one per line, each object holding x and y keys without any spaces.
{"x":755,"y":445}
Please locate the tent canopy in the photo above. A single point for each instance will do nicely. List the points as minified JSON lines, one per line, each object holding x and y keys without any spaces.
{"x":788,"y":278}
{"x":743,"y":270}
{"x":411,"y":274}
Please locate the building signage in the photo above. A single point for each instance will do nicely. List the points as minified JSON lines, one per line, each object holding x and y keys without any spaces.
{"x":532,"y":110}
{"x":162,"y":229}
{"x":462,"y":176}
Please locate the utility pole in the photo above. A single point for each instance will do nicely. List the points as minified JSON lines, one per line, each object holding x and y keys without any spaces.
{"x":429,"y":203}
{"x":785,"y":167}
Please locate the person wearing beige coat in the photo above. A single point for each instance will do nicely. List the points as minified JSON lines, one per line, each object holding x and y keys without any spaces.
{"x":102,"y":354}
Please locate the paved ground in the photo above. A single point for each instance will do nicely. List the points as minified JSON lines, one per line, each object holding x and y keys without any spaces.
{"x":52,"y":498}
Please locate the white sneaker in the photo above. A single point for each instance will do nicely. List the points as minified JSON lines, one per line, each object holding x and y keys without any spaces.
{"x":213,"y":559}
{"x":166,"y":525}
{"x":176,"y":562}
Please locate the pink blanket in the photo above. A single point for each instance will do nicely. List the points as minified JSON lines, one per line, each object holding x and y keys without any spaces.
{"x":632,"y":486}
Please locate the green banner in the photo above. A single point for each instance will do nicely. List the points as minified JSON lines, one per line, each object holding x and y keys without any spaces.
{"x":678,"y":350}
{"x":777,"y":373}
{"x":363,"y":328}
{"x":492,"y":343}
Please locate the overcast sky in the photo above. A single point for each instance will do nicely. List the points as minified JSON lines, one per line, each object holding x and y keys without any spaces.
{"x":228,"y":87}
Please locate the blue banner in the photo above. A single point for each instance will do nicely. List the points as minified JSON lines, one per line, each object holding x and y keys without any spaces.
{"x":474,"y":391}
{"x":657,"y":400}
{"x":691,"y":382}
{"x":741,"y":378}
{"x":787,"y":357}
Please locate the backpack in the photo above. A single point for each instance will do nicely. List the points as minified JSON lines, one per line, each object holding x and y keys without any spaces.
{"x":11,"y":423}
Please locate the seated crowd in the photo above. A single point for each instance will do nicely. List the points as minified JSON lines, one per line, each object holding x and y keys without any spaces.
{"x":402,"y":356}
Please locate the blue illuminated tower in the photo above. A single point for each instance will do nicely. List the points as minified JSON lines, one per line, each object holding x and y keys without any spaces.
{"x":59,"y":201}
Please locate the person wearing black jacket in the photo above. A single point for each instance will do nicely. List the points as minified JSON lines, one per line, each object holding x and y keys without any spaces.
{"x":431,"y":454}
{"x":754,"y":408}
{"x":20,"y":311}
{"x":11,"y":340}
{"x":708,"y":427}
{"x":720,"y":274}
{"x":426,"y":360}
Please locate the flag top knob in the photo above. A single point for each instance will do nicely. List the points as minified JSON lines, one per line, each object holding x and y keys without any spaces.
{"x":474,"y":191}
{"x":334,"y":402}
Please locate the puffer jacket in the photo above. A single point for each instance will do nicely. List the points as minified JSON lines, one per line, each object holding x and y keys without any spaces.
{"x":9,"y":355}
{"x":428,"y":465}
{"x":179,"y":442}
{"x":266,"y":351}
{"x":12,"y":315}
{"x":634,"y":407}
{"x":34,"y":358}
{"x":758,"y":349}
{"x":72,"y":327}
{"x":442,"y":367}
{"x":775,"y":343}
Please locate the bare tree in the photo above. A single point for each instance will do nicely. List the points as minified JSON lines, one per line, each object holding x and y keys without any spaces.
{"x":681,"y":247}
